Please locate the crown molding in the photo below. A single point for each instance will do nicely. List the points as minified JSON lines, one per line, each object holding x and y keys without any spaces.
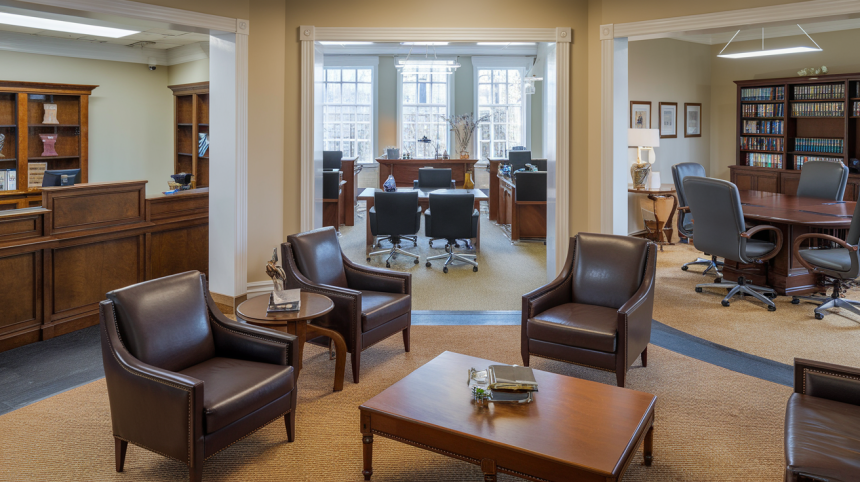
{"x":406,"y":34}
{"x":387,"y":49}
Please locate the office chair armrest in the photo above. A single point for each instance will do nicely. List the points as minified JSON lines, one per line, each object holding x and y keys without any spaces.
{"x":684,"y":209}
{"x":795,"y":250}
{"x":361,"y":278}
{"x":454,"y":184}
{"x":415,"y":184}
{"x":826,"y":380}
{"x":765,"y":227}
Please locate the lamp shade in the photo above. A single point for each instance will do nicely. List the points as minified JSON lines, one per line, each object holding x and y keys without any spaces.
{"x":643,"y":137}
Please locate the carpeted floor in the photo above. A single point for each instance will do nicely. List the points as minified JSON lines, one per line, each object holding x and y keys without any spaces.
{"x":505,"y":272}
{"x":791,"y":331}
{"x":711,"y":423}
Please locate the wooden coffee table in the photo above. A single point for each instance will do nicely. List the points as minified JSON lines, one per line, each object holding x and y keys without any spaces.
{"x":313,"y":305}
{"x":574,"y":429}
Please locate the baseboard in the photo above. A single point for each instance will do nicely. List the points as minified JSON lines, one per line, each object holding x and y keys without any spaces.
{"x":258,"y":288}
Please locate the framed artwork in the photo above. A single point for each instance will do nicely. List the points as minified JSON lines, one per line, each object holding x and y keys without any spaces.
{"x":668,"y":119}
{"x":692,"y":120}
{"x":640,"y":114}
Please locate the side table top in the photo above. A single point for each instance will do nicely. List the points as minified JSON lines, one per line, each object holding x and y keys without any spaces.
{"x":663,"y":189}
{"x":313,"y":305}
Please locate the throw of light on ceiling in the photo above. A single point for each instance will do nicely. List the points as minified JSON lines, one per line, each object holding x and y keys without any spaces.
{"x":423,"y":43}
{"x":63,"y":26}
{"x":763,"y":52}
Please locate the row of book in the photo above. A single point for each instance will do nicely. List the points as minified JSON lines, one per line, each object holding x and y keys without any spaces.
{"x":855,"y":109}
{"x":799,"y":161}
{"x":809,"y":144}
{"x":763,"y":93}
{"x":764,"y":127}
{"x":762,"y":110}
{"x":818,"y":109}
{"x":8,"y":180}
{"x":815,"y":92}
{"x":762,"y":143}
{"x":756,"y":159}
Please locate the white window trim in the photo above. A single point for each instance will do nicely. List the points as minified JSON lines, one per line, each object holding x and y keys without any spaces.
{"x":450,"y":110}
{"x":522,"y":63}
{"x":366,"y":61}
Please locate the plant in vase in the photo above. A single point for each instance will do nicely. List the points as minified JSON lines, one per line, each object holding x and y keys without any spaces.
{"x":463,"y":126}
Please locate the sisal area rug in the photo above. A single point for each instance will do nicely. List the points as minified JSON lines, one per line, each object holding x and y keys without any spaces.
{"x":711,"y":424}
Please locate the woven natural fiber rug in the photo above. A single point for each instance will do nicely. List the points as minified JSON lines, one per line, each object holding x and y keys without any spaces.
{"x":711,"y":423}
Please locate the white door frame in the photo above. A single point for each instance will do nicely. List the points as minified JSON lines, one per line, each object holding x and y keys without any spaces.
{"x":562,"y":36}
{"x":613,"y":78}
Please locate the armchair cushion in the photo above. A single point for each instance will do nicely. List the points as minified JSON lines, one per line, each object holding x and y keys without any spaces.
{"x":822,"y":437}
{"x":378,"y":308}
{"x":607,"y":270}
{"x":757,"y":248}
{"x":235,"y":388}
{"x":837,"y":259}
{"x":318,"y":256}
{"x":578,"y":325}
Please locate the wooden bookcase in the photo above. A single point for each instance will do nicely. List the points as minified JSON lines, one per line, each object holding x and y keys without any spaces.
{"x":21,"y":115}
{"x":191,"y":117}
{"x":816,"y":109}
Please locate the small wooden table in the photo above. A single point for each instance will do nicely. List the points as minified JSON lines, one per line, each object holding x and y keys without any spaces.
{"x":574,"y":429}
{"x":657,"y":194}
{"x":313,"y":305}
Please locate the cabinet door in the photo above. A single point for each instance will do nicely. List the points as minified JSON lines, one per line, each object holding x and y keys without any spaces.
{"x":744,"y":181}
{"x":789,"y":183}
{"x":851,"y":190}
{"x":767,"y":182}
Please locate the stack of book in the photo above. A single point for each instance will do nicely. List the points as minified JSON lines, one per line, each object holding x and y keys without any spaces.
{"x":284,"y":301}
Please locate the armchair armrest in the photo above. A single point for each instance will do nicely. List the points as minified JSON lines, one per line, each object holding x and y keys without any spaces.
{"x":554,"y":293}
{"x":795,"y":250}
{"x":634,"y":316}
{"x":415,"y":184}
{"x":765,"y":227}
{"x":375,"y":279}
{"x":826,"y":380}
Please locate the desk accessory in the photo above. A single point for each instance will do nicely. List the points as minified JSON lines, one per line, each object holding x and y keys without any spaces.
{"x":392,"y":152}
{"x":202,"y":144}
{"x":284,"y":301}
{"x":50,"y":114}
{"x":390,"y":185}
{"x":48,"y":141}
{"x":490,"y":384}
{"x":642,"y":139}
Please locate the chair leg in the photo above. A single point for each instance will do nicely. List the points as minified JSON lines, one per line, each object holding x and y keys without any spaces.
{"x":525,"y":358}
{"x":645,"y":357}
{"x":620,"y":377}
{"x":120,"y":447}
{"x":290,"y":421}
{"x":356,"y":361}
{"x":195,"y":472}
{"x":406,"y":333}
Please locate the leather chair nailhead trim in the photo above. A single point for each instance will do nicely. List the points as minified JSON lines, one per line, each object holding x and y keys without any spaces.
{"x":151,"y":450}
{"x":822,"y":372}
{"x":373,"y":273}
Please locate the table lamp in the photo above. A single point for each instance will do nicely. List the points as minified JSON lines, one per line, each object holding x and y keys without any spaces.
{"x":642,"y":139}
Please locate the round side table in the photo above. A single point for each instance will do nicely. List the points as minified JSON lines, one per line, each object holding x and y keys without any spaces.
{"x":313,"y":305}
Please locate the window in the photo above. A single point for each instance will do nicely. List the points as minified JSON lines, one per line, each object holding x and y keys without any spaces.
{"x":424,"y":104}
{"x":348,"y":111}
{"x":500,"y":94}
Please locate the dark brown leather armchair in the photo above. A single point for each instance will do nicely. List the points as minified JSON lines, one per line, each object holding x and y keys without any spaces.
{"x":597,"y":313}
{"x":822,"y":423}
{"x":183,"y":380}
{"x":369,"y":304}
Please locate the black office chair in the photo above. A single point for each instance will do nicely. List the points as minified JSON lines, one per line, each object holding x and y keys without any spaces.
{"x":685,"y":219}
{"x":455,"y":218}
{"x":432,"y":178}
{"x":331,"y":160}
{"x":841,"y":264}
{"x":394,"y":216}
{"x":823,"y":179}
{"x":519,"y":159}
{"x":720,"y":230}
{"x":331,"y":184}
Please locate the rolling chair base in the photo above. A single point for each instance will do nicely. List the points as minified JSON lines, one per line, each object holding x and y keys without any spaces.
{"x":760,"y":293}
{"x":827,"y":302}
{"x":450,"y":257}
{"x":392,"y":253}
{"x":377,"y":239}
{"x":712,"y":264}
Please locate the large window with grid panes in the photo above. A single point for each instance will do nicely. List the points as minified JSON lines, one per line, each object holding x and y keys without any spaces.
{"x":424,"y":102}
{"x":500,"y":96}
{"x":348,"y":106}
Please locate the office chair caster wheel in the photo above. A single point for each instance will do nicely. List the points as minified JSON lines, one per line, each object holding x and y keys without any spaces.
{"x":819,"y":316}
{"x":445,"y":269}
{"x":795,"y":300}
{"x":416,"y":260}
{"x":725,"y":303}
{"x":698,"y":290}
{"x":684,"y":268}
{"x":771,"y":308}
{"x":427,"y":264}
{"x":368,"y":260}
{"x":387,"y":265}
{"x":474,"y":269}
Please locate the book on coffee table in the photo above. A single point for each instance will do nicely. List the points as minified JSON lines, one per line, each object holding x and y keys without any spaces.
{"x":507,"y":377}
{"x":281,"y":301}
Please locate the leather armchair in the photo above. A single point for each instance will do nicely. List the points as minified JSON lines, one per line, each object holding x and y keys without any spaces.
{"x":370,"y":304}
{"x":823,"y":179}
{"x":822,"y":423}
{"x":432,"y":178}
{"x":597,"y":312}
{"x":183,"y":380}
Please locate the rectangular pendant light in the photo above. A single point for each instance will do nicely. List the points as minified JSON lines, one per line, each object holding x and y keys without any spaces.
{"x":763,"y":53}
{"x":63,"y":26}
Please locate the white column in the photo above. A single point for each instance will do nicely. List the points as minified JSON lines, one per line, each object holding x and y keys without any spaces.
{"x":613,"y":132}
{"x":558,"y":196}
{"x":311,"y":134}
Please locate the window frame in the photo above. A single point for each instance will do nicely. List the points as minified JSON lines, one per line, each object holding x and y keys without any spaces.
{"x":504,"y":62}
{"x":449,"y":109}
{"x":362,"y":61}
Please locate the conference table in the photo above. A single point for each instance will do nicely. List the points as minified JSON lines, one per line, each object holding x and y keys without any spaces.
{"x":794,"y":216}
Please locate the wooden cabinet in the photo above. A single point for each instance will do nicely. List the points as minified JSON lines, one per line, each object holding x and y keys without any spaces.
{"x":191,"y":117}
{"x":782,"y":181}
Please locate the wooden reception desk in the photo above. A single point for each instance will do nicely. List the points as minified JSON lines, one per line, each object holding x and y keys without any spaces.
{"x":406,"y":170}
{"x":58,"y":261}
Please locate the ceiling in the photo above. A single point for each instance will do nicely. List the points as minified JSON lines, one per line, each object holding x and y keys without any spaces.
{"x":749,"y":32}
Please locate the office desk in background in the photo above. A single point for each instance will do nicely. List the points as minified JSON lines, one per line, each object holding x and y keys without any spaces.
{"x":406,"y":170}
{"x":527,"y":218}
{"x":793,"y":215}
{"x":495,"y":186}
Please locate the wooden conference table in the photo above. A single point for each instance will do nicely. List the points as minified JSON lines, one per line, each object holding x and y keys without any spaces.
{"x":793,"y":215}
{"x":423,"y":201}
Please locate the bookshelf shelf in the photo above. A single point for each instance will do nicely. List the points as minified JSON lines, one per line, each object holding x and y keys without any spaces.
{"x":191,"y":105}
{"x":761,"y":135}
{"x":48,"y":158}
{"x":762,"y":151}
{"x":820,"y":154}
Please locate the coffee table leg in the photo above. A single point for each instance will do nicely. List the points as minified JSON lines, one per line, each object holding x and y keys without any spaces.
{"x":648,"y":449}
{"x":488,"y":467}
{"x":367,"y":440}
{"x":340,"y":353}
{"x":301,"y":328}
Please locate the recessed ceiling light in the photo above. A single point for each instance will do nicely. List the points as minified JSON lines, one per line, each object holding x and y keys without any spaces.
{"x":62,"y":26}
{"x":423,"y":43}
{"x":329,"y":42}
{"x":506,"y":43}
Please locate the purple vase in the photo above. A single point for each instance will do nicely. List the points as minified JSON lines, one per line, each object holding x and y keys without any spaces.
{"x":389,"y":185}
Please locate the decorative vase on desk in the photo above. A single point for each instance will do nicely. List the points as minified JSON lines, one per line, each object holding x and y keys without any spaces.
{"x":469,"y":184}
{"x":389,"y":185}
{"x":464,"y":154}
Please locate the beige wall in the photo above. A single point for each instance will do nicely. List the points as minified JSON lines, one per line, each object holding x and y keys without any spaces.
{"x":189,"y":72}
{"x":130,"y":113}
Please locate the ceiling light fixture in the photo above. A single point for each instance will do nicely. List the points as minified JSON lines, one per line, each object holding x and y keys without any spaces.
{"x":330,"y":42}
{"x":423,"y":43}
{"x":63,"y":26}
{"x":763,"y":52}
{"x":506,"y":43}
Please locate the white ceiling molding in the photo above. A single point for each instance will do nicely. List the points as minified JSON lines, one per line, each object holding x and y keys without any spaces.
{"x":188,"y":53}
{"x":754,"y":33}
{"x":405,"y":34}
{"x":397,"y":49}
{"x":809,"y":11}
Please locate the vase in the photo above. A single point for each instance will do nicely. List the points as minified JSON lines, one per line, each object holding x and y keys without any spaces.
{"x":48,"y":141}
{"x":464,"y":154}
{"x":389,"y":185}
{"x":639,"y":171}
{"x":469,"y":184}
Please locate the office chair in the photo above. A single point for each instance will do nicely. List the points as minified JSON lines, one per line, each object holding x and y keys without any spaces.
{"x":455,"y":218}
{"x":823,"y":179}
{"x":432,"y":178}
{"x":685,"y":219}
{"x":720,"y":230}
{"x":837,"y":263}
{"x":393,"y":217}
{"x":331,"y":196}
{"x":519,"y":159}
{"x":331,"y":160}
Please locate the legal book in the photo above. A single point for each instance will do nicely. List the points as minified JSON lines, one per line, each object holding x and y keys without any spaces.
{"x":506,"y":377}
{"x":281,"y":301}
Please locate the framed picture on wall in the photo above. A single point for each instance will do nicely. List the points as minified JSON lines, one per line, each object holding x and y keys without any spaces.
{"x":640,"y":114}
{"x":668,"y":119}
{"x":692,"y":120}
